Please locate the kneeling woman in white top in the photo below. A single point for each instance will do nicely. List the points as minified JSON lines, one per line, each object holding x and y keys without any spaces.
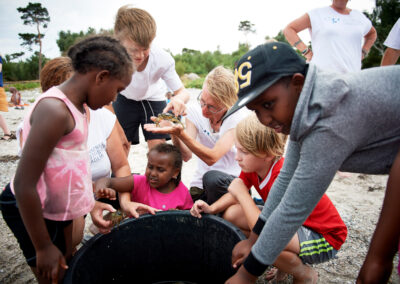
{"x":208,"y":137}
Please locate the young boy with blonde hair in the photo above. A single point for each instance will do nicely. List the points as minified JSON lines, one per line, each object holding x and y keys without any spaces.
{"x":259,"y":154}
{"x":145,"y":96}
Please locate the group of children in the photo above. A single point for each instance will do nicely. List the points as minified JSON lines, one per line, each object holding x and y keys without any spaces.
{"x":298,"y":223}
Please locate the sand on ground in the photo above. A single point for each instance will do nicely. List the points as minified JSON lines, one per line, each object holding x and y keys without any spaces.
{"x":358,"y":199}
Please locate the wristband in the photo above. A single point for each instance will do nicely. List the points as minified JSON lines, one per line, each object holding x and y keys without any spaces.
{"x":305,"y":51}
{"x":253,"y":266}
{"x":364,"y":52}
{"x":296,"y":43}
{"x":258,"y":226}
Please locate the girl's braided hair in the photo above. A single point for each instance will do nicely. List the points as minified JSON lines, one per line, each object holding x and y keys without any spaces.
{"x":100,"y":52}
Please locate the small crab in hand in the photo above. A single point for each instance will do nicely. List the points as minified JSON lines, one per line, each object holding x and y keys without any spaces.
{"x":168,"y":116}
{"x":115,"y":217}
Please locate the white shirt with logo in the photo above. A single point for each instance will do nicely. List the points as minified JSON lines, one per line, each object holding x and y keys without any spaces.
{"x":337,"y":39}
{"x":101,"y":124}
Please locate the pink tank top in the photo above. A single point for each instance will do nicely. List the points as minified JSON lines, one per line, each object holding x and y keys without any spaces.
{"x":65,"y":186}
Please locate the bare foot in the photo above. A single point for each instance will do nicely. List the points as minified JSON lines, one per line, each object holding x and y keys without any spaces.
{"x":310,"y":276}
{"x":276,"y":275}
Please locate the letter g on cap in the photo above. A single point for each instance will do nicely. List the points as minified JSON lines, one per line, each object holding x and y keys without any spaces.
{"x":245,"y":78}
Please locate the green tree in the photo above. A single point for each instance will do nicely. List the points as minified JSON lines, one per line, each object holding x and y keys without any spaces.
{"x":22,"y":70}
{"x":34,"y":14}
{"x":246,"y":27}
{"x":67,"y":39}
{"x":281,"y":37}
{"x":194,"y":61}
{"x":383,"y":17}
{"x":10,"y":57}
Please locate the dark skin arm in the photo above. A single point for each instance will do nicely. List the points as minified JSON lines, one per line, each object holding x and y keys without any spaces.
{"x":120,"y":184}
{"x":377,"y":266}
{"x":239,"y":254}
{"x":49,"y":122}
{"x":124,"y":185}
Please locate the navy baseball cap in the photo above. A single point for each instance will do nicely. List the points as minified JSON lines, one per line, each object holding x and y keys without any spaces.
{"x":261,"y":67}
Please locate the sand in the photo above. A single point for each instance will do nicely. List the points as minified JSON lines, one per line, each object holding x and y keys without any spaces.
{"x":358,"y":199}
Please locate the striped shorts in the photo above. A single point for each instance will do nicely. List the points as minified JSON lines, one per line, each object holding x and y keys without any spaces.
{"x":313,"y":247}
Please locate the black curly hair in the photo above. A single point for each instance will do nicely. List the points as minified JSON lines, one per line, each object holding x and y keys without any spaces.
{"x":175,"y":153}
{"x":100,"y":52}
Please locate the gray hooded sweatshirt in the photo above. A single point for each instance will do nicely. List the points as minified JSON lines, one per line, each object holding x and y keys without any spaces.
{"x":348,"y":122}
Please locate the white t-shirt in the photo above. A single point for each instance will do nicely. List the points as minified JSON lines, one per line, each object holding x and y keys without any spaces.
{"x":101,"y":124}
{"x":206,"y":137}
{"x":393,"y":39}
{"x":148,"y":84}
{"x":337,"y":39}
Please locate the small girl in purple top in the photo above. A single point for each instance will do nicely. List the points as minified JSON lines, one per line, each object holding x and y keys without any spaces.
{"x":160,"y":186}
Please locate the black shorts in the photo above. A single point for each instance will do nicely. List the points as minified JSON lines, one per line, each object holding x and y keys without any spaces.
{"x":14,"y":221}
{"x":131,"y":114}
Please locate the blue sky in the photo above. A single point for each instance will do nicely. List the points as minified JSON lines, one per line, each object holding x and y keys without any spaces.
{"x":201,"y":25}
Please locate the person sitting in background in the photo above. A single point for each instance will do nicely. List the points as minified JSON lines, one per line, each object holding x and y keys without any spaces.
{"x":15,"y":99}
{"x":392,"y":42}
{"x":209,"y":137}
{"x":168,"y":96}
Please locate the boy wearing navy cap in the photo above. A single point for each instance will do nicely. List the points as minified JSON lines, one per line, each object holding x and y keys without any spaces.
{"x":336,"y":122}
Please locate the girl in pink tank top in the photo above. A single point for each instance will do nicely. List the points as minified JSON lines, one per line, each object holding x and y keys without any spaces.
{"x":53,"y":182}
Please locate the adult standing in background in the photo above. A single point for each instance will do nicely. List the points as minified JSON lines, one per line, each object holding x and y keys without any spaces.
{"x":341,"y":37}
{"x":392,"y":42}
{"x":3,"y":106}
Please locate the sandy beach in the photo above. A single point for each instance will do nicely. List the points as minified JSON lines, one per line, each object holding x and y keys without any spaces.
{"x":358,"y":199}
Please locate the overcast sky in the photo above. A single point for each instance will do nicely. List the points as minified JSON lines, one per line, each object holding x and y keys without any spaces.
{"x":201,"y":24}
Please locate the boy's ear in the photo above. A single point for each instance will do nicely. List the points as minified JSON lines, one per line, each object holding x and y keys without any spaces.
{"x":298,"y":81}
{"x":269,"y":158}
{"x":102,"y":76}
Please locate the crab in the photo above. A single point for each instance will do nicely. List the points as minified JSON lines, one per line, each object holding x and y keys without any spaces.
{"x":115,"y":217}
{"x":168,"y":116}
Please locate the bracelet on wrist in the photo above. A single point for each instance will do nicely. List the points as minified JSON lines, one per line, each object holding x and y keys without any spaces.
{"x":296,"y":43}
{"x":364,"y":52}
{"x":305,"y":51}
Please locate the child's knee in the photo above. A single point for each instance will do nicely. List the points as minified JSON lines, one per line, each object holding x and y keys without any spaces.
{"x":233,"y":214}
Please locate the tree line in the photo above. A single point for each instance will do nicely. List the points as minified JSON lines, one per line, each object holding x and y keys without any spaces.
{"x":383,"y":17}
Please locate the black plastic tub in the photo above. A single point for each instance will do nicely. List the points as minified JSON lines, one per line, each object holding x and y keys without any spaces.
{"x":169,"y":247}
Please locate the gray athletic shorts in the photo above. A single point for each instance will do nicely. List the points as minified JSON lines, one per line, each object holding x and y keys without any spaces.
{"x":313,"y":247}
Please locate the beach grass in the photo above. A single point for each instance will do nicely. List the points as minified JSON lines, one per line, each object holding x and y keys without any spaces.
{"x":22,"y":85}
